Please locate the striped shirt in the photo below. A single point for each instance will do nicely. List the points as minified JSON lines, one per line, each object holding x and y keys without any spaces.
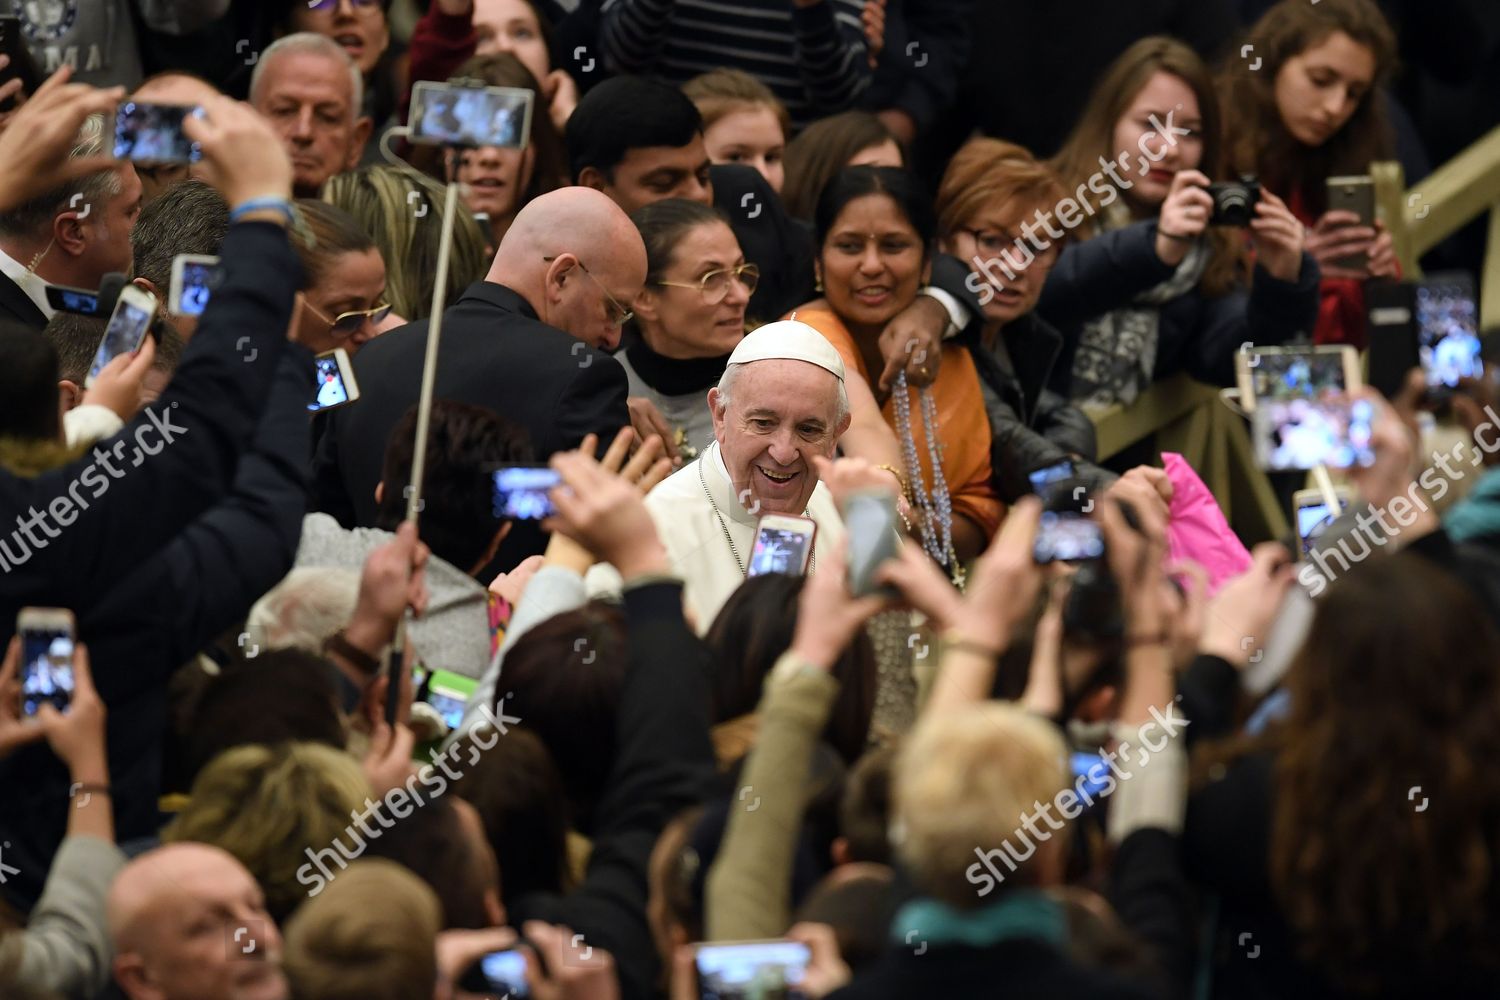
{"x":813,"y":58}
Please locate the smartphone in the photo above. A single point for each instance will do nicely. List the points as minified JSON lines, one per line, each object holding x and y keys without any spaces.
{"x":1304,"y":372}
{"x":783,"y":544}
{"x":504,"y":974}
{"x":1301,"y":433}
{"x":447,"y":114}
{"x":46,"y":658}
{"x":1067,"y":536}
{"x":1448,"y":330}
{"x":194,"y":278}
{"x":80,"y":301}
{"x":1390,"y":312}
{"x":449,"y":694}
{"x":127,"y":327}
{"x":152,"y":133}
{"x":1049,"y":474}
{"x":870,"y":519}
{"x":735,"y":969}
{"x":336,"y":384}
{"x":13,"y":44}
{"x":1357,"y":195}
{"x":521,"y":492}
{"x":1310,"y":511}
{"x":1093,"y":770}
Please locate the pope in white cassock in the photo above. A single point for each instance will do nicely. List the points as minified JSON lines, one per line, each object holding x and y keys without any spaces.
{"x":780,"y":403}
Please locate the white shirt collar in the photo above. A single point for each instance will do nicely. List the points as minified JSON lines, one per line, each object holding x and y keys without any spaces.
{"x":34,"y":287}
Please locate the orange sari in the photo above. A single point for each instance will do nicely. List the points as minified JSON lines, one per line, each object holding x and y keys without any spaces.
{"x":963,"y":431}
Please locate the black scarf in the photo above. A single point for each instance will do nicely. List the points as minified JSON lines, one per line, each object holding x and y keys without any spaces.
{"x":675,"y":376}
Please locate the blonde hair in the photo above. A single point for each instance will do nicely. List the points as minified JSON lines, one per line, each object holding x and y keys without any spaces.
{"x":264,"y":805}
{"x":962,"y":782}
{"x":722,"y":91}
{"x":407,"y":230}
{"x":987,"y":172}
{"x":371,"y":935}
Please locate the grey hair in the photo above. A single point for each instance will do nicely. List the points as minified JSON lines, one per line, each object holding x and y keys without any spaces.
{"x":304,"y":609}
{"x":315,"y":44}
{"x":29,"y":218}
{"x":731,"y":372}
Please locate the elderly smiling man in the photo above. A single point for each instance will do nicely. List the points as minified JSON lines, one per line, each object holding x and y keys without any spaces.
{"x":780,"y":406}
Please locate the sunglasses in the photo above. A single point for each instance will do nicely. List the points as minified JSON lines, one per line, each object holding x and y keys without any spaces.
{"x":347,"y":323}
{"x":331,"y":4}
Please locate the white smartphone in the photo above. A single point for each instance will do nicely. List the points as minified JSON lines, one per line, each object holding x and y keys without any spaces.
{"x":336,"y":385}
{"x":871,"y":521}
{"x":751,"y":968}
{"x":783,"y":544}
{"x":127,"y":327}
{"x":1295,"y":373}
{"x":1310,"y":511}
{"x":448,"y":114}
{"x":46,"y":658}
{"x":194,"y":278}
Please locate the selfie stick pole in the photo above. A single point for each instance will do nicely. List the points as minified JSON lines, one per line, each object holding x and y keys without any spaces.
{"x":1325,"y":486}
{"x":419,"y":447}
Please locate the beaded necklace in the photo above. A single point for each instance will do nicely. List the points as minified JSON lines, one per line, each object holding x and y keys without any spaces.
{"x":934,"y":508}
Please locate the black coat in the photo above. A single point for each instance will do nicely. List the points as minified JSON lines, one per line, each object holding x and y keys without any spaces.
{"x":494,"y":353}
{"x":17,"y":305}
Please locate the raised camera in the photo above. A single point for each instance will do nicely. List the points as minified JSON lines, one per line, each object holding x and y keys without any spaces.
{"x":1234,"y":201}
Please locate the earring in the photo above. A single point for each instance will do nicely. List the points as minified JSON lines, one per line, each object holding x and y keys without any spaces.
{"x":818,"y":283}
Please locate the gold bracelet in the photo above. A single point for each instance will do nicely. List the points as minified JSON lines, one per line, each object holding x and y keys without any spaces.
{"x":900,"y":478}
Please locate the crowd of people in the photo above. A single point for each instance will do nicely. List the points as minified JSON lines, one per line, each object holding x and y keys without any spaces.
{"x":706,"y":580}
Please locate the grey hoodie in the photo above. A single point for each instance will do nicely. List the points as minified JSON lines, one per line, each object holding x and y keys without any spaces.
{"x":97,"y":37}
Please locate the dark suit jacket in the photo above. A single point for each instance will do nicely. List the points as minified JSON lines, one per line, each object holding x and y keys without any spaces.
{"x":17,"y":305}
{"x":494,"y":353}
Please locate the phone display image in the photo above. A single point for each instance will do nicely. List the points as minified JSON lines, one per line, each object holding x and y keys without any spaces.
{"x":449,"y":694}
{"x":782,"y":545}
{"x":1067,"y":536}
{"x":331,"y":388}
{"x":79,"y":301}
{"x":1044,"y":477}
{"x":1310,"y":375}
{"x":193,"y":280}
{"x":451,"y":115}
{"x":153,"y":133}
{"x":1448,"y":331}
{"x":46,"y":667}
{"x":505,"y":974}
{"x":750,"y":970}
{"x":1094,"y":772}
{"x":1305,"y":433}
{"x":521,"y":492}
{"x":1312,"y":521}
{"x":127,"y":327}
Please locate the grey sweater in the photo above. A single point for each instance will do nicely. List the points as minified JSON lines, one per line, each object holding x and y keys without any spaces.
{"x":98,"y":38}
{"x":65,"y":948}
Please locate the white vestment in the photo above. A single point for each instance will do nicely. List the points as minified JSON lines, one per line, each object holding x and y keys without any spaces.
{"x":692,"y":527}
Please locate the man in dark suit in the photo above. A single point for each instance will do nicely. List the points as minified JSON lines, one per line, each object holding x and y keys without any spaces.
{"x":528,"y":342}
{"x":72,"y":235}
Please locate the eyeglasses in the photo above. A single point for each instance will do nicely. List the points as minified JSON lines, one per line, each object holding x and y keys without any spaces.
{"x":348,"y":323}
{"x":618,"y":315}
{"x":1003,"y":244}
{"x":715,"y":284}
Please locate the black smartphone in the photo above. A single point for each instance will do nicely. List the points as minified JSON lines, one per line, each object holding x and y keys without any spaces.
{"x":521,"y":492}
{"x":152,"y":133}
{"x":21,"y":65}
{"x":79,"y":301}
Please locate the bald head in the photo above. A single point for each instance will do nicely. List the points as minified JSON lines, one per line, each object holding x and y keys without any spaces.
{"x":597,"y":265}
{"x":174,"y":88}
{"x":188,"y":922}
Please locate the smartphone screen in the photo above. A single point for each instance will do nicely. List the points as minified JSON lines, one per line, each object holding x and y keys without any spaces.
{"x":1312,"y":521}
{"x":449,"y":115}
{"x":1047,"y":475}
{"x":127,"y":328}
{"x":331,"y":388}
{"x":1067,"y":536}
{"x":153,"y":133}
{"x":521,"y":492}
{"x":1094,"y":772}
{"x":47,"y":669}
{"x":750,"y":969}
{"x":80,"y":301}
{"x":1300,"y":434}
{"x":505,"y":974}
{"x":1311,"y":375}
{"x":1448,"y":330}
{"x":781,"y":549}
{"x":449,"y":694}
{"x":190,"y":293}
{"x":871,"y":521}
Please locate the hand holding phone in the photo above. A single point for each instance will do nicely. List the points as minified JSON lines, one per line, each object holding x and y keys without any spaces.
{"x":128,"y":326}
{"x":46,"y":658}
{"x":521,"y":492}
{"x":871,"y":522}
{"x":729,"y":970}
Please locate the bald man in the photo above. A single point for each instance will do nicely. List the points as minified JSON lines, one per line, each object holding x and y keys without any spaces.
{"x":188,"y":922}
{"x":171,"y":87}
{"x":526,"y":342}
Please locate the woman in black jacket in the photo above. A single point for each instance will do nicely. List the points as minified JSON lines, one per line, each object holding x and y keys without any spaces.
{"x":1159,"y":284}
